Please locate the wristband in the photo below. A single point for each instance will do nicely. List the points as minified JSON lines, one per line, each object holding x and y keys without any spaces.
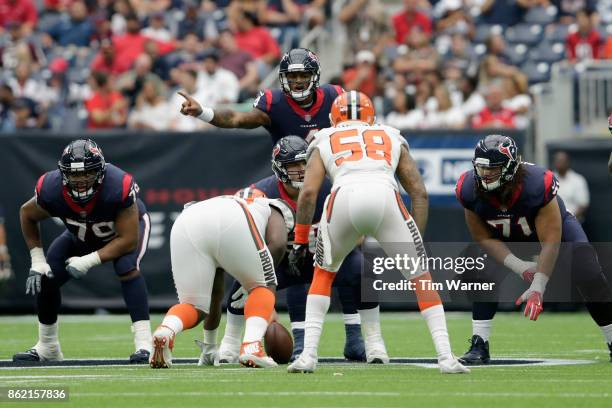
{"x":539,"y":282}
{"x":38,"y":256}
{"x":93,"y":259}
{"x":302,"y":232}
{"x":207,"y":114}
{"x":515,"y":264}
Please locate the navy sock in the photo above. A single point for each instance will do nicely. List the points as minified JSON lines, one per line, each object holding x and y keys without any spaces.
{"x":136,"y":298}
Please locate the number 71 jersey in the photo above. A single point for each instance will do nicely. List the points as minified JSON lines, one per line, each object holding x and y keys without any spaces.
{"x":514,"y":221}
{"x":359,"y":153}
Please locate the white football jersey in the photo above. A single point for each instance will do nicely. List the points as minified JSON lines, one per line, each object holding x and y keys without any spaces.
{"x":358,"y":152}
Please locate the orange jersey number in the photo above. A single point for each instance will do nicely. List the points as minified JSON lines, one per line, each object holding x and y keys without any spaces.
{"x":377,"y":145}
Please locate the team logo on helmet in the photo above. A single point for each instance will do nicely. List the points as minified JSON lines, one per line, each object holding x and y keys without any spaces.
{"x":505,"y":150}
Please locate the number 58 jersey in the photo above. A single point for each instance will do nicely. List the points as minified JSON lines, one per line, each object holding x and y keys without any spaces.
{"x":358,"y":153}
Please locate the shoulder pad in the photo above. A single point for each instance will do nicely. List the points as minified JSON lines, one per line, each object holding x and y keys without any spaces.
{"x":287,"y":212}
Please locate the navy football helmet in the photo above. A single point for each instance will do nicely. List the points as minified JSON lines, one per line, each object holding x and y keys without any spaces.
{"x":299,"y":60}
{"x":496,"y":161}
{"x":289,"y":149}
{"x":82,"y":166}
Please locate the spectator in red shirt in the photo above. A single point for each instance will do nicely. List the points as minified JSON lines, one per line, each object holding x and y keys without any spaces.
{"x":494,"y":115}
{"x":106,"y":60}
{"x":107,"y":108}
{"x":20,"y":11}
{"x":255,"y":40}
{"x":410,"y":17}
{"x":130,"y":45}
{"x":362,"y":77}
{"x":586,"y":43}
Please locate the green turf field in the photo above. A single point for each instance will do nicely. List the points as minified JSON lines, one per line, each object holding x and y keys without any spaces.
{"x":564,"y":336}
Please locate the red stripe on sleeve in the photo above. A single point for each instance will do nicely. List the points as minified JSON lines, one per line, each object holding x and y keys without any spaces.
{"x":127,"y":183}
{"x":268,"y":95}
{"x":39,"y":183}
{"x":548,"y":178}
{"x":338,"y":89}
{"x":459,"y":187}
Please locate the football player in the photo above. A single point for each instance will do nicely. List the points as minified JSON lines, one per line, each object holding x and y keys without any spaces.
{"x":105,"y":221}
{"x":362,"y":160}
{"x":288,"y":164}
{"x":300,"y":107}
{"x":506,"y":200}
{"x":243,"y":238}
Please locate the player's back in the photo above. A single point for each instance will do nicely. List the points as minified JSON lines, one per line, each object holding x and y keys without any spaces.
{"x":356,"y":152}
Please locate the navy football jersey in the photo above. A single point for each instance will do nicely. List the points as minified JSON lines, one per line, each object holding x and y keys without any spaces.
{"x":516,"y":223}
{"x":288,"y":118}
{"x":94,"y":222}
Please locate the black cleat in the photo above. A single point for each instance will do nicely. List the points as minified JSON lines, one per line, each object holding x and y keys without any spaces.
{"x":478,"y":353}
{"x":610,"y":348}
{"x":31,"y":355}
{"x":140,"y":357}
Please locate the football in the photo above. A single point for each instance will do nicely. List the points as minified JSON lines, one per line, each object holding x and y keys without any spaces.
{"x":278,"y":343}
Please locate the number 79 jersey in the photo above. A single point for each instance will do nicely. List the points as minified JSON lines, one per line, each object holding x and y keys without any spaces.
{"x":94,"y":222}
{"x":358,"y":153}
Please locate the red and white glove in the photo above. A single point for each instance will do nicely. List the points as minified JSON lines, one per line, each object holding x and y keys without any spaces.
{"x":534,"y":296}
{"x":524,"y":269}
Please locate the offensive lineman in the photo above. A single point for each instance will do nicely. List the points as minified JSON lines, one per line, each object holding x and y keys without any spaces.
{"x":362,"y":159}
{"x":224,"y":232}
{"x":507,"y":200}
{"x":105,"y":221}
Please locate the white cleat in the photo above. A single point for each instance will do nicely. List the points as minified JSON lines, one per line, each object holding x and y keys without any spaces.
{"x":163,"y":343}
{"x":40,"y":352}
{"x":229,"y":352}
{"x":304,"y":364}
{"x":209,"y":355}
{"x":376,"y":352}
{"x":450,"y":365}
{"x":253,"y":355}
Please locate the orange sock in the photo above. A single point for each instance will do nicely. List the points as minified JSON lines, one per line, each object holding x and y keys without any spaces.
{"x":260,"y":303}
{"x":426,"y":297}
{"x":186,"y":313}
{"x":322,"y":281}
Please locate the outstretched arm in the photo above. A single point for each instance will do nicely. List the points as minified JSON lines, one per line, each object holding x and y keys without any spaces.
{"x":224,"y":118}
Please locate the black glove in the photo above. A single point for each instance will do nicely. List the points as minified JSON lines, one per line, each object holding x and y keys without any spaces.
{"x":296,"y":258}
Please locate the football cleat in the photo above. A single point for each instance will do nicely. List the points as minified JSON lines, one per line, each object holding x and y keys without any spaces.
{"x":610,"y":348}
{"x":298,"y":344}
{"x":377,"y":353}
{"x":40,"y":353}
{"x":478,"y":352}
{"x":304,"y":364}
{"x":141,"y":356}
{"x":209,"y":355}
{"x":252,"y":355}
{"x":229,"y":352}
{"x":354,"y":348}
{"x":450,"y":365}
{"x":163,"y":343}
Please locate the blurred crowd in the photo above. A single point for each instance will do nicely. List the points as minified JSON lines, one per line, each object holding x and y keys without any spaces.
{"x":105,"y":64}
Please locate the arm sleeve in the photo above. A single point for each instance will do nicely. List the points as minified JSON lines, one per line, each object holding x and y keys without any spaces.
{"x":551,"y":187}
{"x":128,"y":191}
{"x":263,"y":102}
{"x":40,"y":193}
